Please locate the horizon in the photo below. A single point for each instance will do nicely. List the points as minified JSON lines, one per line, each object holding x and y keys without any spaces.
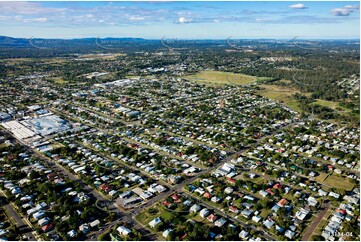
{"x":181,"y":20}
{"x":205,"y":39}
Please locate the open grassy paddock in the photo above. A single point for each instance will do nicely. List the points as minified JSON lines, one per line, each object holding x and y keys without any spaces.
{"x":222,"y":78}
{"x":335,"y":182}
{"x":280,"y":93}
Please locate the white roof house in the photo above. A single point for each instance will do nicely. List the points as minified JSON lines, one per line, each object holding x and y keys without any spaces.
{"x":243,"y":234}
{"x":256,"y":218}
{"x":302,"y":213}
{"x":204,"y":212}
{"x":72,"y":233}
{"x":220,"y":222}
{"x":155,"y":222}
{"x":312,"y":201}
{"x":44,"y":221}
{"x":289,"y":234}
{"x":84,"y":228}
{"x":123,"y":230}
{"x":263,"y":193}
{"x":195,"y":208}
{"x":94,"y":223}
{"x":167,"y":232}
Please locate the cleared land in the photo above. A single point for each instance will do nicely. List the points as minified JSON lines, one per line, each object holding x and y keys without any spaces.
{"x":223,"y":78}
{"x":335,"y":181}
{"x":60,"y":81}
{"x":281,"y":93}
{"x":333,"y":105}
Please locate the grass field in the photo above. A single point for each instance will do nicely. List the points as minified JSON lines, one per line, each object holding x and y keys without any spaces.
{"x":222,"y":78}
{"x":321,"y":177}
{"x":335,"y":181}
{"x":281,"y":93}
{"x":60,"y":81}
{"x":333,"y":105}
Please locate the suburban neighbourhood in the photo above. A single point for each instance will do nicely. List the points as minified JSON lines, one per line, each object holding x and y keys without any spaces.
{"x":179,"y":121}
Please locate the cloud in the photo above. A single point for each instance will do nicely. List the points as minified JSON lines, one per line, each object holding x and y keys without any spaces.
{"x":340,"y":12}
{"x":27,"y":8}
{"x":36,"y":20}
{"x":264,"y":20}
{"x":136,"y":18}
{"x":344,"y":11}
{"x":298,"y":6}
{"x":355,"y":7}
{"x":183,"y":20}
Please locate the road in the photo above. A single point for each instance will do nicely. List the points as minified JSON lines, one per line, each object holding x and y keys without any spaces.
{"x":315,"y":223}
{"x":24,"y":228}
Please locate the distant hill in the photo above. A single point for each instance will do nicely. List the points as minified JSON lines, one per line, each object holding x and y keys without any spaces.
{"x":24,"y":42}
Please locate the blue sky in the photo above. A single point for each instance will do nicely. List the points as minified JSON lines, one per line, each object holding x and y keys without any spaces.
{"x":182,"y":20}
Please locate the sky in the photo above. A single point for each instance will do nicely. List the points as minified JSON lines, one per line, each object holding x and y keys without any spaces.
{"x":181,"y":20}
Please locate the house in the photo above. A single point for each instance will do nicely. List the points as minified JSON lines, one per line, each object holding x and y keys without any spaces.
{"x":322,"y":193}
{"x":228,"y":190}
{"x":84,"y":228}
{"x":263,"y":193}
{"x":277,"y":186}
{"x":47,"y":227}
{"x":289,"y":234}
{"x":146,"y":195}
{"x":247,"y":205}
{"x":38,"y":215}
{"x":207,"y":195}
{"x":167,"y":232}
{"x":211,"y":218}
{"x":71,"y":233}
{"x":94,"y":223}
{"x":282,"y":202}
{"x":166,"y":204}
{"x":216,"y":199}
{"x":204,"y":212}
{"x":275,"y":208}
{"x":243,"y":234}
{"x":220,"y":222}
{"x":112,"y":193}
{"x":125,"y":194}
{"x":312,"y":201}
{"x":231,"y":181}
{"x":105,"y":187}
{"x":155,"y":222}
{"x":279,"y":229}
{"x":268,"y":223}
{"x":335,"y":195}
{"x":287,"y":189}
{"x":44,"y":221}
{"x":247,"y":213}
{"x":176,"y":197}
{"x":123,"y":230}
{"x":252,"y":175}
{"x":195,"y":208}
{"x":257,"y":218}
{"x":248,"y":197}
{"x":233,"y":209}
{"x":269,"y":190}
{"x":302,"y":213}
{"x":187,"y":203}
